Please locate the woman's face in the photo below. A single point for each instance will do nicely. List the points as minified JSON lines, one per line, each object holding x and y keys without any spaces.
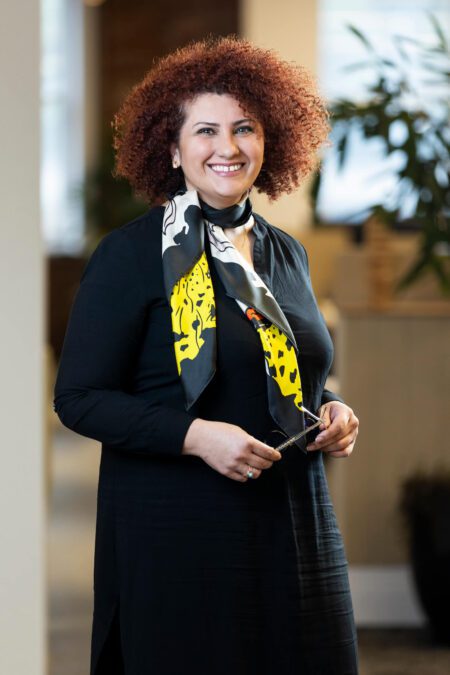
{"x":220,"y":149}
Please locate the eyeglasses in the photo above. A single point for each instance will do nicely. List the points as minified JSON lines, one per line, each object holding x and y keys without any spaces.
{"x":311,"y":422}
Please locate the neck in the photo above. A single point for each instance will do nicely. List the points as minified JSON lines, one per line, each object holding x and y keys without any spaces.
{"x":232,"y":216}
{"x":220,"y":204}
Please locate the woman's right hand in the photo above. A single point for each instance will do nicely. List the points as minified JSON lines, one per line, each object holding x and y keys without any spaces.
{"x":228,"y":449}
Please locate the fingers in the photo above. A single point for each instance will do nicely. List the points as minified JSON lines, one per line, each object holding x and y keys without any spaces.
{"x":339,"y":427}
{"x":324,"y":413}
{"x":230,"y":450}
{"x":339,"y":438}
{"x":337,"y":442}
{"x":258,"y":462}
{"x":242,"y":477}
{"x":344,"y":453}
{"x":341,"y":448}
{"x":255,"y":455}
{"x":264,"y":451}
{"x":258,"y":455}
{"x":332,"y":439}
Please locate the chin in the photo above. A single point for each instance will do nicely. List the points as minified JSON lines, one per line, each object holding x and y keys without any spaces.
{"x":234,"y":194}
{"x":225,"y":200}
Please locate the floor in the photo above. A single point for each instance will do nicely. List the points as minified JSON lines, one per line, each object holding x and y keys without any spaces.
{"x":71,"y":540}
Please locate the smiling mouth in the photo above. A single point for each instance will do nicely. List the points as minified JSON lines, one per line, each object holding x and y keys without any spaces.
{"x":226,"y":168}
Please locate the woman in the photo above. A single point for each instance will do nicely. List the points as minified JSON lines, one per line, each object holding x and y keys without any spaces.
{"x":194,"y":346}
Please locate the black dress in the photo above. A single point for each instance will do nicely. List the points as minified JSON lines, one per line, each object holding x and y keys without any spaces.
{"x":195,"y":572}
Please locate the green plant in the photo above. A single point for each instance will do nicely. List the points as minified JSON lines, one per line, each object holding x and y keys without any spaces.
{"x":426,"y":495}
{"x":108,"y":202}
{"x":424,"y":175}
{"x":425,"y":506}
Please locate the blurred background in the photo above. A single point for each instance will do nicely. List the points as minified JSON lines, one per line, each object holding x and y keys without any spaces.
{"x":375,"y":223}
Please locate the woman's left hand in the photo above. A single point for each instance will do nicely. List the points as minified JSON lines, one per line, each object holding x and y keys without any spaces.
{"x":338,"y":436}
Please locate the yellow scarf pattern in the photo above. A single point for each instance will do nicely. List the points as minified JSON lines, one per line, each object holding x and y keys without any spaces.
{"x":193,"y":309}
{"x":281,"y":360}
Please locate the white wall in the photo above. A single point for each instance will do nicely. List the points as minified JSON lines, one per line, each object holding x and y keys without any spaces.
{"x":22,"y":508}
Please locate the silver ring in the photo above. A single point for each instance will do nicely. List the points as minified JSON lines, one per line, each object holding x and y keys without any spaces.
{"x":249,"y":472}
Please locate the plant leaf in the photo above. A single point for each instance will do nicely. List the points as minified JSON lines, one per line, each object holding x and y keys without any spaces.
{"x":366,"y":42}
{"x":414,"y":272}
{"x":406,"y":38}
{"x":342,"y":150}
{"x":438,"y":30}
{"x":315,"y":187}
{"x":356,"y":66}
{"x":398,"y":39}
{"x":437,"y":265}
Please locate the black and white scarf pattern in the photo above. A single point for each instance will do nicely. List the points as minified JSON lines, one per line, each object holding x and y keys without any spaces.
{"x":190,"y":294}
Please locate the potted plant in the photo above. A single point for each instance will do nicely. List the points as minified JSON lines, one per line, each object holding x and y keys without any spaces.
{"x":425,"y":506}
{"x":425,"y":144}
{"x":109,"y":202}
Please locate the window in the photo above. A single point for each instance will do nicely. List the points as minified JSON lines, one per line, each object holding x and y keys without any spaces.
{"x":367,"y":176}
{"x":62,"y":128}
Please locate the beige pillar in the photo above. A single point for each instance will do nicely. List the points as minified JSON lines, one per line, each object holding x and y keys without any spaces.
{"x":289,"y":27}
{"x":22,"y":503}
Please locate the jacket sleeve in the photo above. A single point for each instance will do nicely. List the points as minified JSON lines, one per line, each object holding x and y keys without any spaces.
{"x":327,"y":394}
{"x":100,"y":349}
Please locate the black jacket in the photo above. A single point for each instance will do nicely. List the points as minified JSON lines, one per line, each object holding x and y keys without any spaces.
{"x":194,"y":571}
{"x":117,"y":380}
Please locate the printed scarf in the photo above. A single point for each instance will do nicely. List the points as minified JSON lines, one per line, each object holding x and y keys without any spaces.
{"x":190,"y":294}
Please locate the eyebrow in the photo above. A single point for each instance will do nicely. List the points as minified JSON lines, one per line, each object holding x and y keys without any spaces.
{"x":214,"y":124}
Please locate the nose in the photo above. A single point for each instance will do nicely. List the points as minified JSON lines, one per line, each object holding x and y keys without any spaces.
{"x":227,"y":146}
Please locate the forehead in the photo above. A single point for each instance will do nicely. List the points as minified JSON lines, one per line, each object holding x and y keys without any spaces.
{"x":210,"y":107}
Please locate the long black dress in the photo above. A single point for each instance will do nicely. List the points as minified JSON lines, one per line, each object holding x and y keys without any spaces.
{"x":195,"y":572}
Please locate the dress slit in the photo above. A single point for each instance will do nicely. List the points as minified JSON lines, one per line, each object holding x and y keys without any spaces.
{"x":109,"y":660}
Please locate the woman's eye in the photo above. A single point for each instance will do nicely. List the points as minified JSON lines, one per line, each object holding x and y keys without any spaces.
{"x":209,"y":131}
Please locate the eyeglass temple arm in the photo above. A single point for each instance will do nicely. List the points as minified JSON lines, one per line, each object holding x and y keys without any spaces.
{"x":296,"y":437}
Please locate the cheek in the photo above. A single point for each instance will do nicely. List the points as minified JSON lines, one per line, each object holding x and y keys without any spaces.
{"x":257,"y":151}
{"x":195,"y":156}
{"x":258,"y":156}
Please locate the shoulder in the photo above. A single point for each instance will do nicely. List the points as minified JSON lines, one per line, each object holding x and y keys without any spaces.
{"x":124,"y":250}
{"x":286,"y":242}
{"x":144,"y":228}
{"x":134,"y":237}
{"x":136,"y":231}
{"x":152,"y":217}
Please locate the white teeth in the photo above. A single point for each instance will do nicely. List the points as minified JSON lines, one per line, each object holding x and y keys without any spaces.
{"x":222,"y":168}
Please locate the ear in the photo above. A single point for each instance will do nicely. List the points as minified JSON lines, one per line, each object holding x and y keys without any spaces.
{"x":175,"y":153}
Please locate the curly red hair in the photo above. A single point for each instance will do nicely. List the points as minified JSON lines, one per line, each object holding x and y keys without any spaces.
{"x":281,"y":95}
